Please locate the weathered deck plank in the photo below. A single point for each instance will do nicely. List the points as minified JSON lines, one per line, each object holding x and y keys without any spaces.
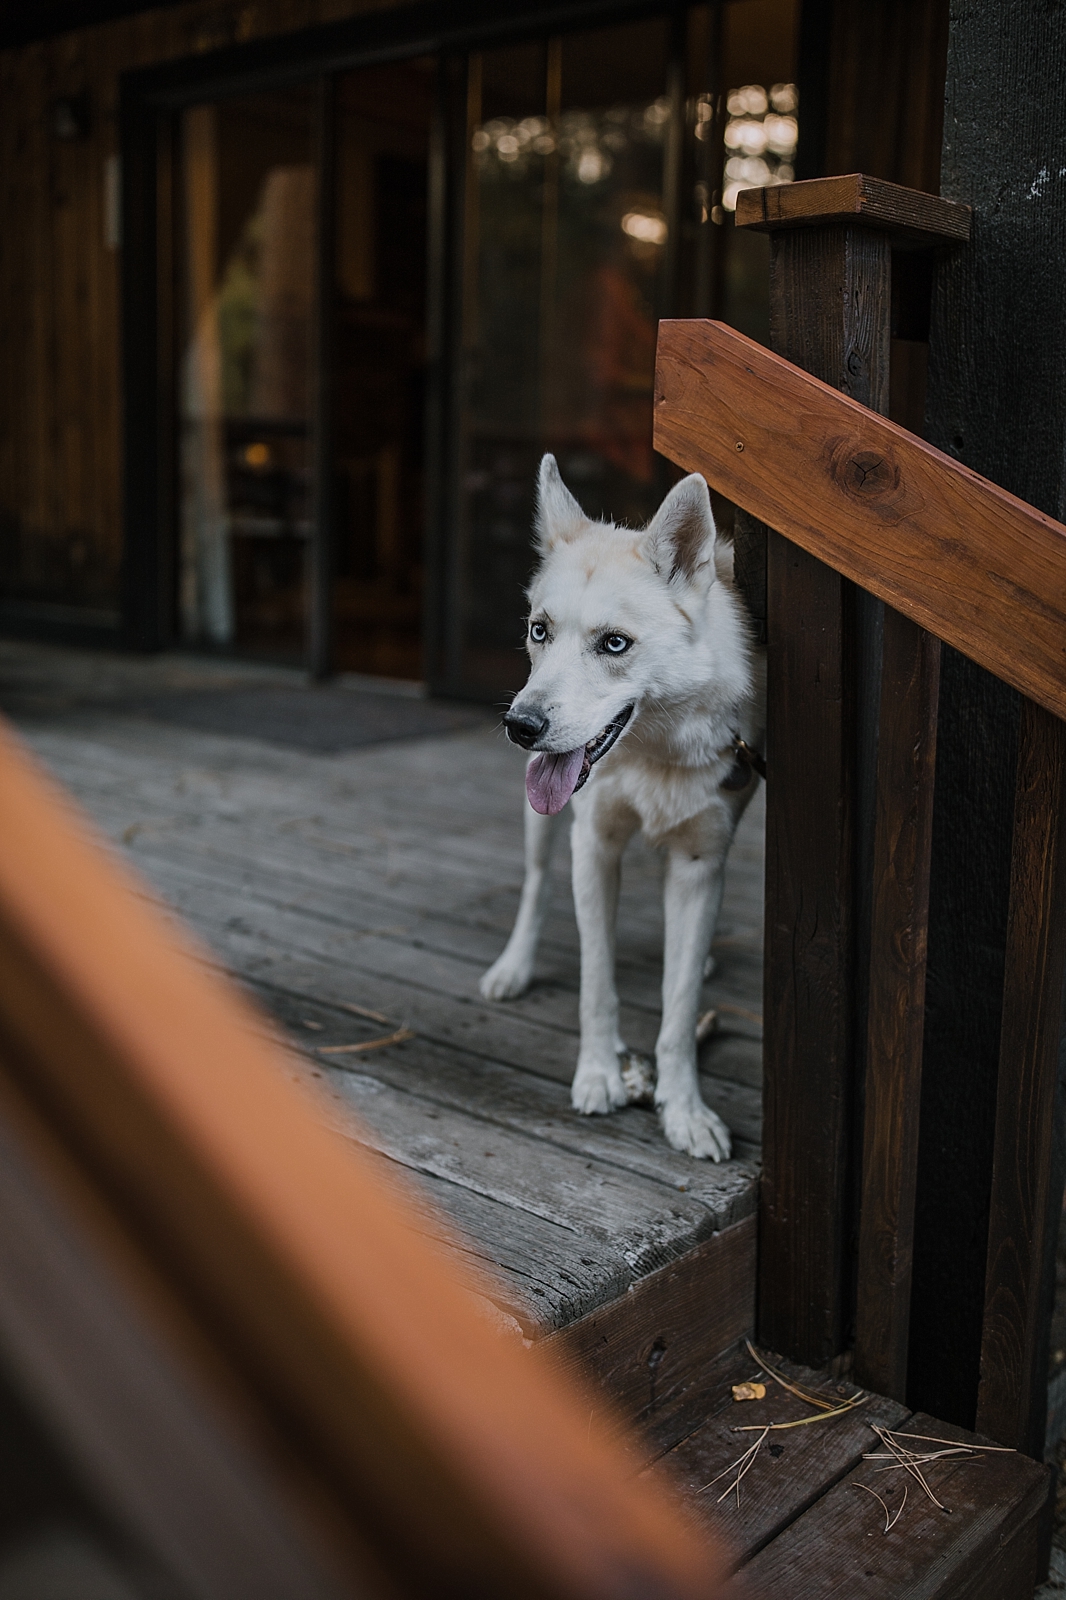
{"x":526,"y":1103}
{"x":388,"y":878}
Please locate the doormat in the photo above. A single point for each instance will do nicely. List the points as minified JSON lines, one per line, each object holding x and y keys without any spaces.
{"x":326,"y":720}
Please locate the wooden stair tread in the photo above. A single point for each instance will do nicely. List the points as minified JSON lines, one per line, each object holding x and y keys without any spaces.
{"x":986,"y":1549}
{"x":802,"y":1531}
{"x":778,"y":1489}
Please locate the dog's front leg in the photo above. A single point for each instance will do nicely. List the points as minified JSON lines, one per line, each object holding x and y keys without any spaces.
{"x":693,"y":897}
{"x":510,"y":975}
{"x":596,"y":844}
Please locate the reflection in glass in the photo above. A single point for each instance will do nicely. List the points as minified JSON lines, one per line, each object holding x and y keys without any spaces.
{"x":382,"y":136}
{"x":565,"y":233}
{"x":248,"y":184}
{"x":760,"y":137}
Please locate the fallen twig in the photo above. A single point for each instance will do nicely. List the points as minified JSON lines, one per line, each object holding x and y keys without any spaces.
{"x":742,"y":1465}
{"x":740,"y":1011}
{"x":706,"y":1025}
{"x":805,"y":1422}
{"x":366,"y":1044}
{"x":890,"y":1520}
{"x":801,"y":1394}
{"x":361,"y":1011}
{"x":908,"y":1460}
{"x":983,"y":1449}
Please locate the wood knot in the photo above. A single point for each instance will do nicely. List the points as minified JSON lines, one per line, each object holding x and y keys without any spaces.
{"x":870,"y":474}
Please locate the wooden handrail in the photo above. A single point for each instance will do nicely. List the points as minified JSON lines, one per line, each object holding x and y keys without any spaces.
{"x":279,"y":1266}
{"x":961,"y":557}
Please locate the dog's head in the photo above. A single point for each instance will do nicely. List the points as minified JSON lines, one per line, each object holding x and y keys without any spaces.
{"x":613,"y":616}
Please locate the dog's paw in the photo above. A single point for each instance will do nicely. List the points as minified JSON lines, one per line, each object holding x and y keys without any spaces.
{"x":506,"y":979}
{"x":697,"y":1130}
{"x":598,"y":1089}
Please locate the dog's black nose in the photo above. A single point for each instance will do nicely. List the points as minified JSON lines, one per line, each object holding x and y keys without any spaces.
{"x":525,"y":727}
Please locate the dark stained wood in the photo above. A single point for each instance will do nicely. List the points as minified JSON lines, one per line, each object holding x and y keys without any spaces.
{"x":807,"y":998}
{"x":910,"y":675}
{"x":906,"y":214}
{"x":997,"y":368}
{"x":1027,"y":1173}
{"x":830,"y":306}
{"x":885,"y":69}
{"x":988,"y":1548}
{"x":655,"y":1343}
{"x":780,"y":1488}
{"x":975,"y":565}
{"x":830,"y":299}
{"x":749,"y":568}
{"x":321,"y":555}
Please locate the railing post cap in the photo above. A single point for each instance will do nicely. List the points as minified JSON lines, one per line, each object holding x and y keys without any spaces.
{"x":911,"y":217}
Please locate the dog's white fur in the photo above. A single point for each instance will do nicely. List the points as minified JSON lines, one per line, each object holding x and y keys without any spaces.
{"x":696,"y":683}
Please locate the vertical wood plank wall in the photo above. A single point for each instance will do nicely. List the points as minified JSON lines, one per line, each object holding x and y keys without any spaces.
{"x":60,"y":401}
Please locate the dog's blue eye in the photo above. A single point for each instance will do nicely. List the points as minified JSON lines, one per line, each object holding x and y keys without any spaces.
{"x":615,"y":644}
{"x":538,"y":632}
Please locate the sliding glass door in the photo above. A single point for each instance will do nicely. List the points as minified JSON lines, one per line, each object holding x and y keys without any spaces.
{"x":378,"y":360}
{"x":399,"y":285}
{"x":245,"y":395}
{"x":564,"y":276}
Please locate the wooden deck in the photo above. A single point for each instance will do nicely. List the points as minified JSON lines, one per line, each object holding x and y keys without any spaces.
{"x":385,"y":878}
{"x":360,"y":890}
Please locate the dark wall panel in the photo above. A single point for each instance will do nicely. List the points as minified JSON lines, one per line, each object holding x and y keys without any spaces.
{"x":996,"y":401}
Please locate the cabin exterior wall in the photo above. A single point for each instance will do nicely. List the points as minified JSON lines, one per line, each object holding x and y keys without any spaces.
{"x":70,"y":548}
{"x":60,"y":258}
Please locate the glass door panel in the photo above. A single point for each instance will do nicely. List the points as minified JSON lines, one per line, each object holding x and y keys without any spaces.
{"x":245,"y":391}
{"x":565,"y":230}
{"x":382,"y":152}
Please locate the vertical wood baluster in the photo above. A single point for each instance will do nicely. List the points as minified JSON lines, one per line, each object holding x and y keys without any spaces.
{"x":1027,"y":1174}
{"x":896,"y":1012}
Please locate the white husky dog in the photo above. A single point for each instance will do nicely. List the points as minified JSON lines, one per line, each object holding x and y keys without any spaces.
{"x":644,"y":703}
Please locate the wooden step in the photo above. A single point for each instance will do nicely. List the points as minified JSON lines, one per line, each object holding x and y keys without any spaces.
{"x":801,"y":1529}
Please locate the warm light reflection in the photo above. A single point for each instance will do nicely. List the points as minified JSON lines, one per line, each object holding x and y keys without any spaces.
{"x":760,"y":138}
{"x":587,"y":143}
{"x":647,"y":228}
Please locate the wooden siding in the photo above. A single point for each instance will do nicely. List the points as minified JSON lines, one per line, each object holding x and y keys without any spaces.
{"x":60,"y":401}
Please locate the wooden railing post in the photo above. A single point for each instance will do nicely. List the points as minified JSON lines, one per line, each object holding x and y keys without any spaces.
{"x":851,"y":728}
{"x":1027,"y":1169}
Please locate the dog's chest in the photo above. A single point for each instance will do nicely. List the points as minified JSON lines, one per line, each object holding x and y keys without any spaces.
{"x":664,"y":796}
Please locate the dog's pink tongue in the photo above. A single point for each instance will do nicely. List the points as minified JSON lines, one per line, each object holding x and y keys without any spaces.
{"x":551,"y":780}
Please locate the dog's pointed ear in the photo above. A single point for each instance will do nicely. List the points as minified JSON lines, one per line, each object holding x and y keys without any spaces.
{"x":679,"y":539}
{"x":559,"y":517}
